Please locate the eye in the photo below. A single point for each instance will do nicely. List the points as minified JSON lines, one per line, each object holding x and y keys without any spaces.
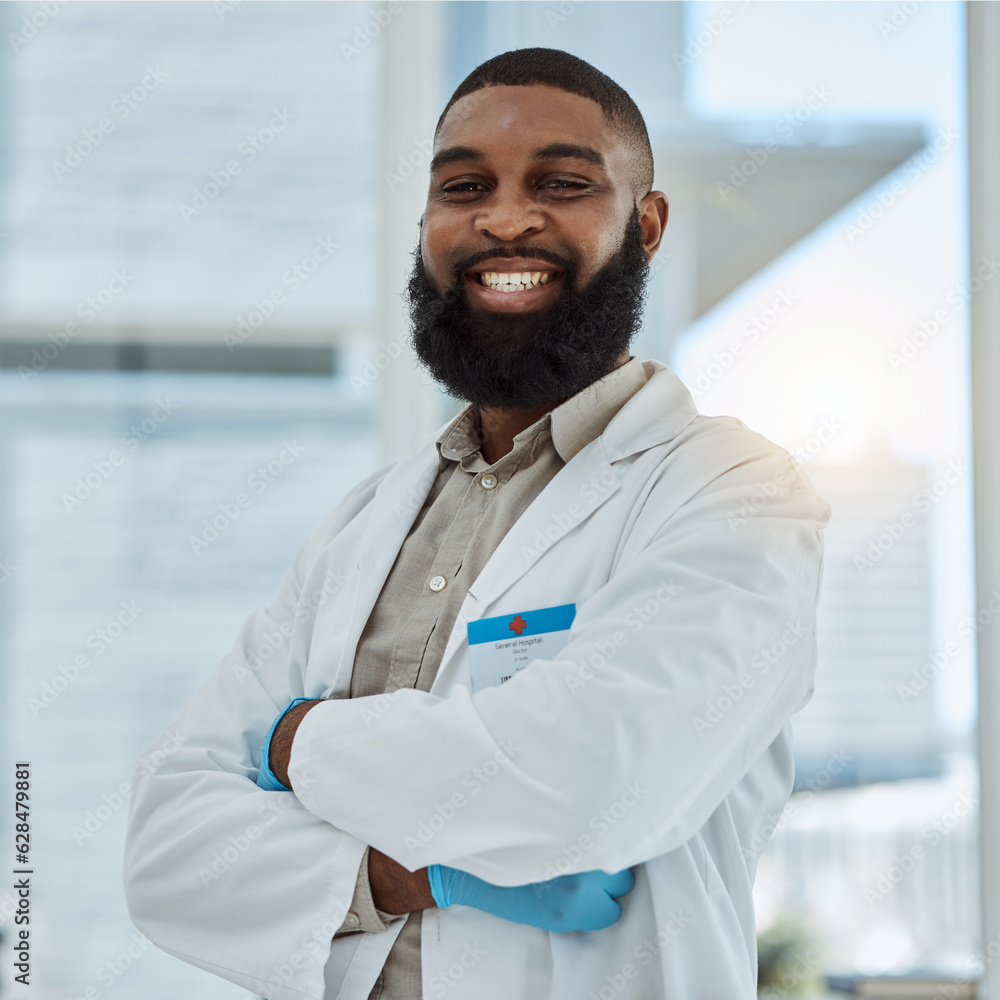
{"x":463,"y":187}
{"x":560,"y":185}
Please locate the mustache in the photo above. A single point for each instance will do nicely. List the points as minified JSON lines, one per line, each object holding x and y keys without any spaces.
{"x":527,"y":252}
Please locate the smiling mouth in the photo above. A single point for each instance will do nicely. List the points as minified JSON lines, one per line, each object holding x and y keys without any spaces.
{"x":516,"y":281}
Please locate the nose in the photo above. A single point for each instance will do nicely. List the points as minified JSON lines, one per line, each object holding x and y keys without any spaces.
{"x":508,"y":214}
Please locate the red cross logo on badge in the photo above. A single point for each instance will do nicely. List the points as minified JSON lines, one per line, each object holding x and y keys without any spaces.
{"x":517,"y":625}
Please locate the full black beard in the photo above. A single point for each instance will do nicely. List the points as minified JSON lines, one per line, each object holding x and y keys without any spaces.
{"x":523,"y":360}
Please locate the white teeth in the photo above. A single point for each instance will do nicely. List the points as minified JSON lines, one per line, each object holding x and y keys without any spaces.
{"x":515,"y":282}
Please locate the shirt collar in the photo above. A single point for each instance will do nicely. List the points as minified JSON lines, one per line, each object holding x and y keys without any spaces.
{"x":584,"y":416}
{"x":574,"y":423}
{"x":460,"y":436}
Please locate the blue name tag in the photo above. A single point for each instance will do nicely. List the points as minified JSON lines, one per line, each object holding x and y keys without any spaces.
{"x":501,"y":646}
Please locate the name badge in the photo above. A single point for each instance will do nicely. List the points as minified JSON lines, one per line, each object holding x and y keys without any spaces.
{"x":499,"y":647}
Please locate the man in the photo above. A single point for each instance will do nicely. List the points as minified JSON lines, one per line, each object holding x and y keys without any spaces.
{"x":507,"y":730}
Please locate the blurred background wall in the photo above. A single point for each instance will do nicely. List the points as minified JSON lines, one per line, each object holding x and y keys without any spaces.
{"x":207,"y":212}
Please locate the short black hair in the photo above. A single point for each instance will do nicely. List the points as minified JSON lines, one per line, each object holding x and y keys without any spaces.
{"x":555,"y":68}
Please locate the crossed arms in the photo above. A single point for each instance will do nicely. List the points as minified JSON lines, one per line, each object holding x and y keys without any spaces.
{"x":588,"y":726}
{"x":394,"y":888}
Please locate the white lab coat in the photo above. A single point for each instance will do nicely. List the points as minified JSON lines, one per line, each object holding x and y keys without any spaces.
{"x":658,"y":739}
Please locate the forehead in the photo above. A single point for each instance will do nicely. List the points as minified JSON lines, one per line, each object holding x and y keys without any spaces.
{"x":509,"y":121}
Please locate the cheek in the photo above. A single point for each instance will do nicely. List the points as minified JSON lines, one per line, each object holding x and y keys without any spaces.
{"x":596,"y":240}
{"x":436,"y":243}
{"x":425,"y":253}
{"x":597,"y":254}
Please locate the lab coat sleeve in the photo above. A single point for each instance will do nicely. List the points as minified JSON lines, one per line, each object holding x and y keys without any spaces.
{"x":242,"y":882}
{"x":679,"y":674}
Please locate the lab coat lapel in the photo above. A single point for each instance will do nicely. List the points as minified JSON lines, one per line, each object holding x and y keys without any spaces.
{"x":567,"y":501}
{"x":395,"y":506}
{"x":657,"y":413}
{"x":570,"y":497}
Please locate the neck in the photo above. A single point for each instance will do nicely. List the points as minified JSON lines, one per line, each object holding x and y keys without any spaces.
{"x":500,"y":425}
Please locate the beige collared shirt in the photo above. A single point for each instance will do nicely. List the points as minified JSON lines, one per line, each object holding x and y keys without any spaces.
{"x":469,"y":509}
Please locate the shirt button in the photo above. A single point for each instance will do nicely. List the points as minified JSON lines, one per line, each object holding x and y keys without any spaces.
{"x":488,"y":481}
{"x":352,"y":921}
{"x":437,"y":583}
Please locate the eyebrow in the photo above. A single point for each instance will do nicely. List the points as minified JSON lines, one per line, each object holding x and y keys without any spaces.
{"x":554,"y":151}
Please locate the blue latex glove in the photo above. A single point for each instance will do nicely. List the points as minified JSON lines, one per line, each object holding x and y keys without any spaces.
{"x":581,"y":902}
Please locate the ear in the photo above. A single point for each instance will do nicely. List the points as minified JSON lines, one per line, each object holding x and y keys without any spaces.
{"x":653,"y":211}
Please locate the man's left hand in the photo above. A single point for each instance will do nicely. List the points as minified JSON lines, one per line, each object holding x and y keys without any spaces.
{"x":280,"y":751}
